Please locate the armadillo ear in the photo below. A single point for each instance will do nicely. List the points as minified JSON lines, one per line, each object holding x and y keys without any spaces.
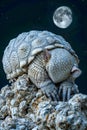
{"x":47,"y":55}
{"x":76,"y":72}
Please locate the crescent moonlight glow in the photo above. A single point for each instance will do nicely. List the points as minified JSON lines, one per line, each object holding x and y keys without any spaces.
{"x":62,"y":17}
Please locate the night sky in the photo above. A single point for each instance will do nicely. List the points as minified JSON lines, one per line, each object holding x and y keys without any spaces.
{"x":17,"y":16}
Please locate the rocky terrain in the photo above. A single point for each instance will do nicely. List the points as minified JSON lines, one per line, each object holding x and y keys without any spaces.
{"x":24,"y":107}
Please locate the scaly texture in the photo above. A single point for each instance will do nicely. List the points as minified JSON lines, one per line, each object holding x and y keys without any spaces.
{"x":23,"y":49}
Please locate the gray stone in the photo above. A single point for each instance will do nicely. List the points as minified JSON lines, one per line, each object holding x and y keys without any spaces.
{"x":41,"y":113}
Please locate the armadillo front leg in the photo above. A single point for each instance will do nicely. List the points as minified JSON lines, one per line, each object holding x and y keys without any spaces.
{"x":68,"y":87}
{"x":38,"y":76}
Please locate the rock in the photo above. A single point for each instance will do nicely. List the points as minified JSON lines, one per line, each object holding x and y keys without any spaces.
{"x":29,"y":109}
{"x":2,"y":101}
{"x":71,"y":115}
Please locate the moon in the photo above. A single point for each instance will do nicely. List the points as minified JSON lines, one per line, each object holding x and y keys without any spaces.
{"x":62,"y":17}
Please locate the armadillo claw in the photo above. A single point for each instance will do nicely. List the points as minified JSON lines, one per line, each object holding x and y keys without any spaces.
{"x":51,"y":92}
{"x":67,"y":90}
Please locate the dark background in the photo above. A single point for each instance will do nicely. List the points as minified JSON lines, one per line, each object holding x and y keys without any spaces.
{"x":17,"y":16}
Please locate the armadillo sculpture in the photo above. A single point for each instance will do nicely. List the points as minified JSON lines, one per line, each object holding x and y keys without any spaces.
{"x":47,"y":59}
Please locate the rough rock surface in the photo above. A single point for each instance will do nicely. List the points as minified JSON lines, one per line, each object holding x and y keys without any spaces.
{"x":23,"y":107}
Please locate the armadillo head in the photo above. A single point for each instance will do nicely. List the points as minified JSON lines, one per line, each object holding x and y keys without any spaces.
{"x":62,"y":65}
